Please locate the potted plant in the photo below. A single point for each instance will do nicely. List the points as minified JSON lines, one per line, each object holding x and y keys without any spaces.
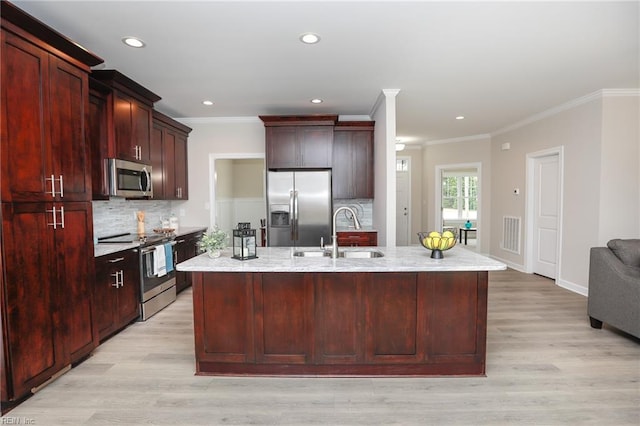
{"x":213,"y":241}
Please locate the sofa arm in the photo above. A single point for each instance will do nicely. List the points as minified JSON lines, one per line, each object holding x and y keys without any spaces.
{"x":614,"y":291}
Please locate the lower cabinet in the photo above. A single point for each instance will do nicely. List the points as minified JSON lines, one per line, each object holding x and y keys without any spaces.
{"x":357,"y":239}
{"x":391,"y":323}
{"x":117,"y":291}
{"x":46,"y":304}
{"x":186,"y":248}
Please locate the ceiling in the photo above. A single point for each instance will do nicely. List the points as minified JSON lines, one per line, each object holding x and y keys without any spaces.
{"x":495,"y":63}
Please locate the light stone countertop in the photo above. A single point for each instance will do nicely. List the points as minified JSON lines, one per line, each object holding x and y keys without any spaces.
{"x":397,"y":259}
{"x":103,"y":249}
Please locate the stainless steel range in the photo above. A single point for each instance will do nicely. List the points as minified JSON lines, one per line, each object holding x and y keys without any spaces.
{"x":157,"y":254}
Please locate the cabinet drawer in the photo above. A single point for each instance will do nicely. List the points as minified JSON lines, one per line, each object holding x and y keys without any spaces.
{"x":357,"y":239}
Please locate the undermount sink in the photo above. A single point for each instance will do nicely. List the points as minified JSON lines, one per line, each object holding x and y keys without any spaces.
{"x":360,"y":254}
{"x":311,"y":253}
{"x":348,"y":254}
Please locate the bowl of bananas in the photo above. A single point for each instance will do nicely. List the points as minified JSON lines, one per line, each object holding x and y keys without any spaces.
{"x":437,"y":242}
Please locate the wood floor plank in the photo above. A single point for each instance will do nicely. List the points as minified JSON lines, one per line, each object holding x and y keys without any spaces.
{"x":545,"y":366}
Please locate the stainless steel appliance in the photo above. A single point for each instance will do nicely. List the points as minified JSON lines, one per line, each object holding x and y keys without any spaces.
{"x":129,"y":179}
{"x":157,"y":288}
{"x":300,"y":208}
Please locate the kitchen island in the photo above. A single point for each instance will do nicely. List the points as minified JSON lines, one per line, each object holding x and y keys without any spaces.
{"x":400,"y":314}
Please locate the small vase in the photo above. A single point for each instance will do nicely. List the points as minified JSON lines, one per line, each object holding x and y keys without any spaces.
{"x":467,"y":225}
{"x":213,"y":253}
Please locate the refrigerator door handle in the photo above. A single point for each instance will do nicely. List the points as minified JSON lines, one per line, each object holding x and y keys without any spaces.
{"x":292,"y":215}
{"x":295,"y":214}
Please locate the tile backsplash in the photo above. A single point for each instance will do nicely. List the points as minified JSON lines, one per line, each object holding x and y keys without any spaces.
{"x":363,"y":207}
{"x":119,"y":215}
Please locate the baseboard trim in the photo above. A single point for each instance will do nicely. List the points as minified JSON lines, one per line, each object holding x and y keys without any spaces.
{"x":576,"y":288}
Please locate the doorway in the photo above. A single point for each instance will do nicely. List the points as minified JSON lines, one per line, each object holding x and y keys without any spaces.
{"x":237,"y":191}
{"x":544,"y":209}
{"x":403,"y":200}
{"x":458,"y":200}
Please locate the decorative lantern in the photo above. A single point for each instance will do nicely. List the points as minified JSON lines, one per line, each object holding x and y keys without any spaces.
{"x":244,"y":242}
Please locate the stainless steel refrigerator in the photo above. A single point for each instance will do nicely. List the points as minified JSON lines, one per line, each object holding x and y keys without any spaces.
{"x":299,"y":204}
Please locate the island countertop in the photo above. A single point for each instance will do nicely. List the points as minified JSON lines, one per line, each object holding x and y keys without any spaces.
{"x":396,"y":259}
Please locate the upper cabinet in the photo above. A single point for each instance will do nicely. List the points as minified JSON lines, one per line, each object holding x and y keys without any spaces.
{"x":299,"y":141}
{"x":169,"y":158}
{"x":44,"y":104}
{"x":353,"y":160}
{"x":119,"y":124}
{"x":132,"y":106}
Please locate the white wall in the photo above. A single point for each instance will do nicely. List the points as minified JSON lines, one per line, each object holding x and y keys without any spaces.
{"x":214,"y":136}
{"x":595,"y":132}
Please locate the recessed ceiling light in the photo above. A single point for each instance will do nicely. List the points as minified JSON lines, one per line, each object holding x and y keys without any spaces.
{"x":309,"y":38}
{"x":316,"y":101}
{"x":460,"y":117}
{"x":207,"y":103}
{"x":133,"y":42}
{"x":399,"y":146}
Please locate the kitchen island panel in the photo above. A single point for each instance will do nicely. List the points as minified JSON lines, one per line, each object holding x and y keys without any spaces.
{"x":283,"y":317}
{"x":224,"y":328}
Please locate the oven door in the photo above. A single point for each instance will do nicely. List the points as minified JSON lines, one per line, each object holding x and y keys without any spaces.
{"x":152,"y":283}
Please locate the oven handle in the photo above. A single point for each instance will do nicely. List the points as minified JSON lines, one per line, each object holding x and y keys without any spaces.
{"x":150,"y":249}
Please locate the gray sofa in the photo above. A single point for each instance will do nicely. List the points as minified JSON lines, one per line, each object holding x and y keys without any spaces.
{"x":614,"y":286}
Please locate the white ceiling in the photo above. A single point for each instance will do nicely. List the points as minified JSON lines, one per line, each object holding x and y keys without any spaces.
{"x":496,"y":63}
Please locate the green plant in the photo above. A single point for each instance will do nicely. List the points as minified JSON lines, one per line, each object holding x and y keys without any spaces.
{"x":214,"y":239}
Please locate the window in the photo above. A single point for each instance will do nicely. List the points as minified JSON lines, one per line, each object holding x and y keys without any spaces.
{"x":402,"y":165}
{"x":459,"y":196}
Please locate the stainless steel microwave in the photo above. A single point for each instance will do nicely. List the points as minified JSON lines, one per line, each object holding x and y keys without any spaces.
{"x":129,"y":179}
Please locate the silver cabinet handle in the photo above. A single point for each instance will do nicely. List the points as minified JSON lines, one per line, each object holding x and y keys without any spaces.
{"x":116,"y":283}
{"x":121,"y":278}
{"x":54,"y":215}
{"x":53,"y":186}
{"x":116,"y":260}
{"x":61,"y":188}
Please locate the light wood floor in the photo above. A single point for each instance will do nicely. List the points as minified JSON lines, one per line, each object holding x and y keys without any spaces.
{"x":545,"y":366}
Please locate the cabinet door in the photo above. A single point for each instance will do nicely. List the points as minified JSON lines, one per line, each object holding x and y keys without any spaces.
{"x":105,"y":296}
{"x":282,"y":147}
{"x":181,"y":168}
{"x":128,"y":307}
{"x":68,"y":110}
{"x":339,"y":319}
{"x":26,"y":156}
{"x":353,"y":164}
{"x":157,"y":161}
{"x":141,"y":119}
{"x":315,"y":145}
{"x":123,"y":127}
{"x":30,"y":321}
{"x":74,"y":245}
{"x":284,"y":319}
{"x":169,"y":164}
{"x":395,"y":318}
{"x":98,"y":139}
{"x":342,"y":171}
{"x":362,"y":163}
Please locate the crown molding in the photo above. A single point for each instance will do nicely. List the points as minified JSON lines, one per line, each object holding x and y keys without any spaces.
{"x":219,"y":120}
{"x":599,"y":94}
{"x":460,"y":139}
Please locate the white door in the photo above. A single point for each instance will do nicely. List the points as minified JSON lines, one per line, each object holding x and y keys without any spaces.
{"x":403,"y":193}
{"x":546,"y":215}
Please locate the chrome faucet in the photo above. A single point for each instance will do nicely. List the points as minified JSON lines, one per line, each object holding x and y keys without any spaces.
{"x":334,"y":237}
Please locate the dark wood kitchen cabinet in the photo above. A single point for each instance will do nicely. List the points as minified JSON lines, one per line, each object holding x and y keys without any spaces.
{"x":47,"y":227}
{"x":294,"y":142}
{"x":186,"y":248}
{"x":352,"y":174}
{"x":340,"y":323}
{"x":130,"y":119}
{"x":357,"y":238}
{"x":47,"y":308}
{"x":169,"y":158}
{"x":116,"y":291}
{"x":44,"y":104}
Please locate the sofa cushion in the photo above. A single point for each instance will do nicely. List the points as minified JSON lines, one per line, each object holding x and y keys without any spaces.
{"x":628,"y":251}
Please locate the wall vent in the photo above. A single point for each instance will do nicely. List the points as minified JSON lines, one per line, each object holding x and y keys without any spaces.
{"x":511,"y":234}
